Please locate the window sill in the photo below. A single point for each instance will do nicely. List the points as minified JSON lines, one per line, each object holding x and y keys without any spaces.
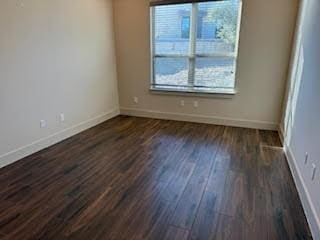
{"x":185,"y":91}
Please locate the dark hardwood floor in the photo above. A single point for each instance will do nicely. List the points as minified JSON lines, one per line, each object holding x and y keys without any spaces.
{"x":138,"y":178}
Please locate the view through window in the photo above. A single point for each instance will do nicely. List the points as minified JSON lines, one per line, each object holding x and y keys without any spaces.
{"x":194,"y":46}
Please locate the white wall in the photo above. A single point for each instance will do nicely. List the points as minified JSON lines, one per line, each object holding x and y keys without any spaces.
{"x":265,"y":45}
{"x":55,"y":56}
{"x":303,"y":131}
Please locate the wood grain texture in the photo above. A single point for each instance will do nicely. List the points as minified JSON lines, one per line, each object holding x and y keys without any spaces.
{"x":139,"y":178}
{"x":175,"y":233}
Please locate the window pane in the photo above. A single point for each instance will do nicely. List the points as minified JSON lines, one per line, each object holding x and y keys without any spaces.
{"x":217,"y":23}
{"x":171,"y":71}
{"x":216,"y":73}
{"x":172,"y":29}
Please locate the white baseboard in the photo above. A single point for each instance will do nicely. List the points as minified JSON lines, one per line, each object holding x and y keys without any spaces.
{"x":200,"y":119}
{"x":40,"y":144}
{"x":308,"y":206}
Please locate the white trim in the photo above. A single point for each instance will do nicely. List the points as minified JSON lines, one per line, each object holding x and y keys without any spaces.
{"x":152,"y":45}
{"x":308,"y":206}
{"x":236,"y":53}
{"x":198,"y":55}
{"x":236,"y":73}
{"x":212,"y":93}
{"x":19,"y":153}
{"x":200,"y":118}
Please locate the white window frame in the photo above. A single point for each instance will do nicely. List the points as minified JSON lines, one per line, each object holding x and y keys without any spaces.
{"x":192,"y":56}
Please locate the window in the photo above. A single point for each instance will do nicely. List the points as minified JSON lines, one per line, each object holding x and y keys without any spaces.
{"x":195,"y":45}
{"x":185,"y":27}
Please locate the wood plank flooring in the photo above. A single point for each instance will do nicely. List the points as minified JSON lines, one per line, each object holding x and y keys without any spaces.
{"x":138,"y":178}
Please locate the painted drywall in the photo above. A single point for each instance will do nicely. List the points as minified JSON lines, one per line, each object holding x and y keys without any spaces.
{"x":265,"y":45}
{"x":56,"y":57}
{"x":301,"y":129}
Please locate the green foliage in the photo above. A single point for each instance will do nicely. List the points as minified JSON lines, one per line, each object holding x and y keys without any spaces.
{"x":226,"y":17}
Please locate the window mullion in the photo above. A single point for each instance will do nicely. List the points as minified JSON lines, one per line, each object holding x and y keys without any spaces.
{"x":192,"y":46}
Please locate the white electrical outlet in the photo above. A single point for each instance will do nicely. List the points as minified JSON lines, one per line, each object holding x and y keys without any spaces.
{"x":136,"y":99}
{"x":182,"y":103}
{"x":43,"y":123}
{"x":314,"y":170}
{"x":62,"y":117}
{"x":195,"y":104}
{"x":306,"y":158}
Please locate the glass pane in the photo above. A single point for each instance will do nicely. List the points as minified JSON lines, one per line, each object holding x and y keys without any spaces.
{"x":216,"y":73}
{"x":171,"y":71}
{"x":172,"y":29}
{"x":217,"y":27}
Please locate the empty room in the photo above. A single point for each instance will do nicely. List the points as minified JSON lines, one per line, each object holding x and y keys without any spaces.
{"x":159,"y":119}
